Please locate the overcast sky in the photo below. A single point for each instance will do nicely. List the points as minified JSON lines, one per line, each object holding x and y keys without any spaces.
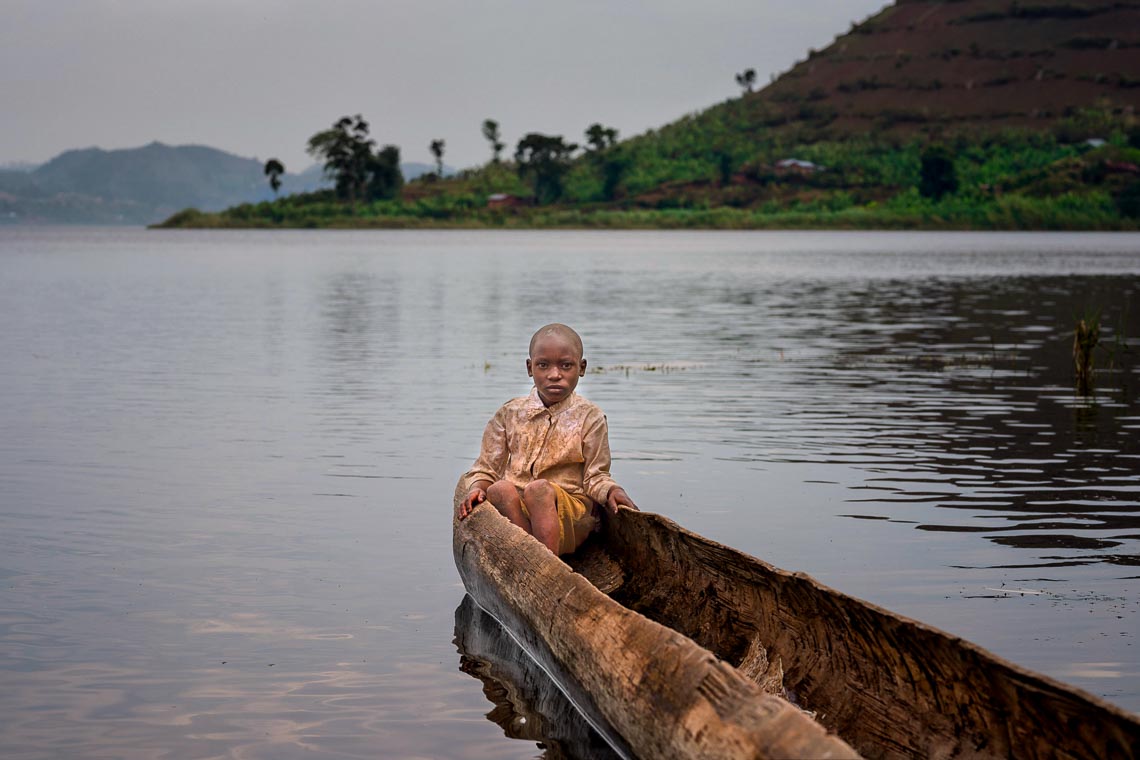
{"x":258,"y":77}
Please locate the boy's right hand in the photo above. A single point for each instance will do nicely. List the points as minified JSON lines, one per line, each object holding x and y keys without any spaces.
{"x":473,"y":499}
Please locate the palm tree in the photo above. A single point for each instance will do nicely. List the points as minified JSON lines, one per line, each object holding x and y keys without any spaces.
{"x":746,"y":79}
{"x":600,"y":137}
{"x":274,"y":169}
{"x":437,"y":151}
{"x":491,"y":133}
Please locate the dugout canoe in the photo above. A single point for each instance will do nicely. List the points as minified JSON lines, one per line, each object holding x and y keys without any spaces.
{"x":676,"y":646}
{"x":526,"y":704}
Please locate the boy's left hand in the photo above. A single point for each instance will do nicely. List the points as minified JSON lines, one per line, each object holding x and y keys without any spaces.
{"x":476,"y":496}
{"x":616,"y":497}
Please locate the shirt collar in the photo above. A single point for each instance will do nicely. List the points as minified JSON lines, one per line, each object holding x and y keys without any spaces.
{"x":535,"y":407}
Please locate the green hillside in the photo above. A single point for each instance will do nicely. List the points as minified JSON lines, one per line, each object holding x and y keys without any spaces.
{"x":984,"y":114}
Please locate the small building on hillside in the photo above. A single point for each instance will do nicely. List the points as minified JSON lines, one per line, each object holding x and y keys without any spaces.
{"x":504,"y":200}
{"x":797,"y":166}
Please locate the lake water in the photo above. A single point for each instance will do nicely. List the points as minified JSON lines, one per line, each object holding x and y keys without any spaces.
{"x":228,"y":457}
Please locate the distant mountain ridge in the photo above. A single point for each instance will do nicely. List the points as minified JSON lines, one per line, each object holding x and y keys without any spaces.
{"x":142,"y":185}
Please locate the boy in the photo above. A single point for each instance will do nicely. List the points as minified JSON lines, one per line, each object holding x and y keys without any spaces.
{"x":545,"y":459}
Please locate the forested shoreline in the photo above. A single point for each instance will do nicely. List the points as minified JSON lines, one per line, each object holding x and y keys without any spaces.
{"x":928,"y":115}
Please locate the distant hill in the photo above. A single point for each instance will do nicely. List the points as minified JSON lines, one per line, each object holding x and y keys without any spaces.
{"x":16,"y":182}
{"x":923,"y":65}
{"x":142,"y":185}
{"x":919,"y":71}
{"x":135,"y":185}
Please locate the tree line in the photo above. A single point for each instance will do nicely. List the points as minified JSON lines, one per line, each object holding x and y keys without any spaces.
{"x":360,"y":171}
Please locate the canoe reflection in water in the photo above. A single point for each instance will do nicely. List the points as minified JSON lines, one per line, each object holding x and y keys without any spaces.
{"x":528,"y":705}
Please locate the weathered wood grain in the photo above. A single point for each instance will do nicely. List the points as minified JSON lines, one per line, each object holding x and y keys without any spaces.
{"x":527,"y":704}
{"x":664,"y":696}
{"x":889,"y":685}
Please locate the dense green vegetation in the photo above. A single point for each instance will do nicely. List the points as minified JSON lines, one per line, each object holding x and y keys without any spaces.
{"x":357,"y":169}
{"x":708,"y":172}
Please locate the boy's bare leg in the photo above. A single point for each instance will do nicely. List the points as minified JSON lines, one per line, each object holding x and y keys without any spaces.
{"x":505,"y":498}
{"x":542,"y":504}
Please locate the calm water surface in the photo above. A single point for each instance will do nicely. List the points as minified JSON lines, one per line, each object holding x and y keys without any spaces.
{"x":227,"y":458}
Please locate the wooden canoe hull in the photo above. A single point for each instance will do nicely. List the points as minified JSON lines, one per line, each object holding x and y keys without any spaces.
{"x":888,"y":685}
{"x":660,"y":694}
{"x":527,"y":704}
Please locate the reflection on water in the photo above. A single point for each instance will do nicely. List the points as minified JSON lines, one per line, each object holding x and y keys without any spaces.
{"x":228,"y":458}
{"x":945,"y":395}
{"x":527,"y":703}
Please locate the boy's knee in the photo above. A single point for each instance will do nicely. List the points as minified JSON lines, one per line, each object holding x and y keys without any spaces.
{"x":502,"y":493}
{"x":538,"y":492}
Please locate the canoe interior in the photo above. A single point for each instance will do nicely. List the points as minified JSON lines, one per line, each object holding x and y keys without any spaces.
{"x":888,"y":685}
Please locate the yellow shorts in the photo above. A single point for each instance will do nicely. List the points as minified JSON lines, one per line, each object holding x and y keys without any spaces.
{"x":575,"y":520}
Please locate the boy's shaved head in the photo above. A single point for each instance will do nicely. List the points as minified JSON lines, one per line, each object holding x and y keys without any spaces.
{"x":562,"y":331}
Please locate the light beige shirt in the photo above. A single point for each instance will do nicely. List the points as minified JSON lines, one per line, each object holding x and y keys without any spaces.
{"x":567,"y":444}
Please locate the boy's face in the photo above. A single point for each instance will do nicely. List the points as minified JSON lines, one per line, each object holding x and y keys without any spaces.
{"x":555,"y":365}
